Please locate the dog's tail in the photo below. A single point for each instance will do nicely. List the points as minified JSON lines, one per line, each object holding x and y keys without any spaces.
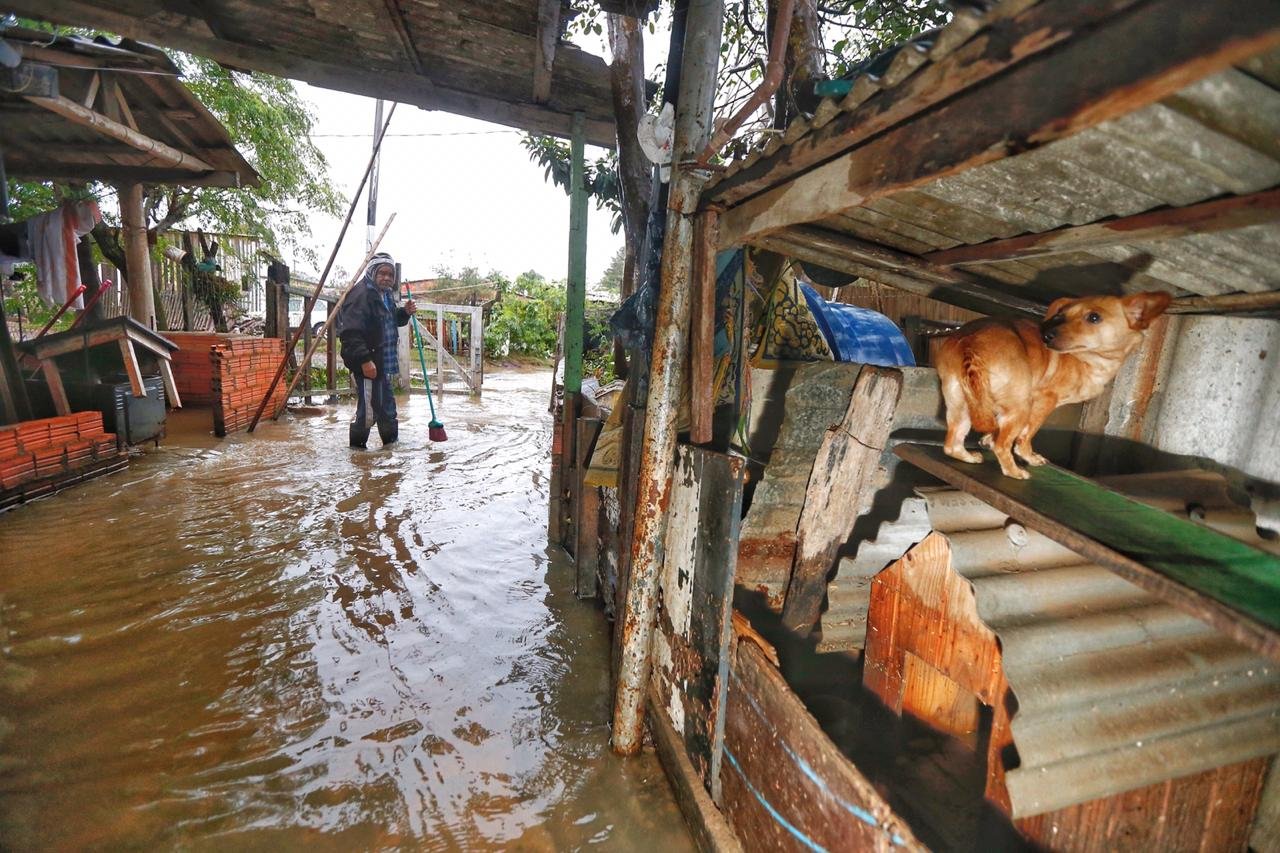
{"x":977,"y":391}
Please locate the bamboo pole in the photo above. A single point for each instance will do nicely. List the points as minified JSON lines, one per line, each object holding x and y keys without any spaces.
{"x":667,"y":371}
{"x":333,"y":316}
{"x":324,"y":276}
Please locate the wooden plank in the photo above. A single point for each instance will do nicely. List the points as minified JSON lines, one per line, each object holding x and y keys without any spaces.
{"x":396,"y":16}
{"x":53,"y":379}
{"x":786,"y":785}
{"x":1230,"y":585}
{"x":691,"y":658}
{"x":170,"y":386}
{"x":1167,"y":223}
{"x":845,"y":473}
{"x":545,"y":48}
{"x":1141,"y":56}
{"x":162,"y":153}
{"x":131,"y":367}
{"x":586,"y":549}
{"x":710,"y":830}
{"x":1212,"y":810}
{"x":1006,"y":43}
{"x":702,"y":333}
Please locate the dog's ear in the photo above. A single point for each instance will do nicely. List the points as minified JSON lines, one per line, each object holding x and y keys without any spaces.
{"x":1057,"y":305}
{"x":1142,"y":308}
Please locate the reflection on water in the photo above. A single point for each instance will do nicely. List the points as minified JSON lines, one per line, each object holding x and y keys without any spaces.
{"x":272,"y":640}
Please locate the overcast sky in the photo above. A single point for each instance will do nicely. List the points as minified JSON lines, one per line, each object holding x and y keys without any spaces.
{"x":464,"y":191}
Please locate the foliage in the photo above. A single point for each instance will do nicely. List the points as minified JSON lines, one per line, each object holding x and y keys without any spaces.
{"x":597,"y":356}
{"x":611,"y":280}
{"x":525,"y":319}
{"x":467,"y":287}
{"x":21,"y":298}
{"x":600,"y":178}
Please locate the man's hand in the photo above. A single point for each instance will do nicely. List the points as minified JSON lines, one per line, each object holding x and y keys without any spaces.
{"x":410,"y":306}
{"x":369,"y":369}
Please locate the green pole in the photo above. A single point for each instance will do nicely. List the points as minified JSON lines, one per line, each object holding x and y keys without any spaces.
{"x":576,"y":289}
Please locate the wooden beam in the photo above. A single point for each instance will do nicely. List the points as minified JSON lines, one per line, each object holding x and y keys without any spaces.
{"x":91,"y":94}
{"x":54,"y":380}
{"x":170,"y":385}
{"x":1229,"y":303}
{"x":118,"y":93}
{"x":841,"y":488}
{"x":895,"y":268}
{"x":1227,"y":583}
{"x":1142,"y":55}
{"x":389,"y":85}
{"x":401,"y":26}
{"x":702,"y":333}
{"x":131,"y":368}
{"x":161,"y":153}
{"x":544,"y":55}
{"x":1004,"y":42}
{"x":1168,"y":223}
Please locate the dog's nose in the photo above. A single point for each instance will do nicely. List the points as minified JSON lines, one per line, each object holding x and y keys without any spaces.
{"x":1048,"y":334}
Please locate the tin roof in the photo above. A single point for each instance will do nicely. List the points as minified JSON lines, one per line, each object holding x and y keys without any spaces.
{"x":1215,"y":137}
{"x":498,"y":60}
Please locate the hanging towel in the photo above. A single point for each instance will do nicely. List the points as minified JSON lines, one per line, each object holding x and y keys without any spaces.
{"x":53,"y":239}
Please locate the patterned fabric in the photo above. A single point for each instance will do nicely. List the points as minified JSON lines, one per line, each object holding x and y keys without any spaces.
{"x":787,"y":330}
{"x":390,"y":357}
{"x":859,"y":334}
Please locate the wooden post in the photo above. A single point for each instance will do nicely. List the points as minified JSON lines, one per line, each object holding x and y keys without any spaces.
{"x":331,"y":355}
{"x":586,"y":545}
{"x":477,"y":348}
{"x":306,"y":348}
{"x":701,"y":54}
{"x":702,"y":341}
{"x":13,"y":391}
{"x":439,"y":356}
{"x":576,"y":286}
{"x":137,"y":255}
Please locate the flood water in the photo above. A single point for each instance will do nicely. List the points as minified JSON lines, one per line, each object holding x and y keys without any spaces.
{"x":272,"y":641}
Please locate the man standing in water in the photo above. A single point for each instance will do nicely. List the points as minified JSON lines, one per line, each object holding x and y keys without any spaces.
{"x":367,"y":324}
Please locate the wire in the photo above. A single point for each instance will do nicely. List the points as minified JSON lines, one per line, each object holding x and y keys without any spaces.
{"x":453,"y":133}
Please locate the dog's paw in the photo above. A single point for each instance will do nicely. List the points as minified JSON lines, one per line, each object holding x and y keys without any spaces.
{"x":987,"y":441}
{"x":1016,"y":473}
{"x":965,"y":455}
{"x":1031,"y":457}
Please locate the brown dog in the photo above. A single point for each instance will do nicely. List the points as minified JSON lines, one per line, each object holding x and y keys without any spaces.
{"x":1004,"y":377}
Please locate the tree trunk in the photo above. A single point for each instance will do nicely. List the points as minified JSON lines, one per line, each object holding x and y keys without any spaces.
{"x":88,"y":277}
{"x":804,"y":64}
{"x":142,"y":305}
{"x":626,"y":78}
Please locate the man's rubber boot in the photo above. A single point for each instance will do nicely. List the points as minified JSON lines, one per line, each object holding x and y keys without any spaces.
{"x":359,"y":437}
{"x":389,"y":431}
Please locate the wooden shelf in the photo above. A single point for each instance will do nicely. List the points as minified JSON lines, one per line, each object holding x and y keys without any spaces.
{"x":1231,"y":585}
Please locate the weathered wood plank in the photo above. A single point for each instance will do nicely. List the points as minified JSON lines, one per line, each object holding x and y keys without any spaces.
{"x":840,"y":489}
{"x":586,"y":549}
{"x":53,"y":379}
{"x":1164,"y":224}
{"x":163,"y":154}
{"x":1141,"y":56}
{"x":786,"y":786}
{"x":131,"y":368}
{"x":702,"y":333}
{"x":1230,"y":585}
{"x":691,"y":646}
{"x":544,"y":55}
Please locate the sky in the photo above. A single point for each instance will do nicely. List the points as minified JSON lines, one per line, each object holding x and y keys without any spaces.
{"x":464,"y":193}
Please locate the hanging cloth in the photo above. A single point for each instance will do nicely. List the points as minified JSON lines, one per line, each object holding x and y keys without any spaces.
{"x":53,"y":238}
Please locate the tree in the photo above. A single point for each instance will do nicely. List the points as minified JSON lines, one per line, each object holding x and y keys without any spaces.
{"x":611,"y":281}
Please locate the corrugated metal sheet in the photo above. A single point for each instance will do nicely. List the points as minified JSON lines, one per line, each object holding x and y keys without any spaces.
{"x":1115,"y":690}
{"x":1218,"y":136}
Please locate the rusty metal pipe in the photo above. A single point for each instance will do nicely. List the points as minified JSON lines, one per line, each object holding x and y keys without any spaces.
{"x":768,"y":86}
{"x":666,"y":372}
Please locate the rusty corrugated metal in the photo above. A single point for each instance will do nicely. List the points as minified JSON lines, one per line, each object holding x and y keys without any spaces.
{"x":1115,"y":690}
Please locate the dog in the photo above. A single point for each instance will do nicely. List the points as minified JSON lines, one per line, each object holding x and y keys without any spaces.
{"x":1005,"y":377}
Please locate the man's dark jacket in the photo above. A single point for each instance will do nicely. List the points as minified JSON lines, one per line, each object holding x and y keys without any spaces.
{"x":360,"y":326}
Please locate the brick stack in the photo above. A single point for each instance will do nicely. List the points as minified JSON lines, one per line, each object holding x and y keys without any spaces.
{"x":41,"y":456}
{"x":192,"y":367}
{"x":242,"y":369}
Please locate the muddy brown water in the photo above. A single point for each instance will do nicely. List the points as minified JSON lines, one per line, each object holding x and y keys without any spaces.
{"x":271,"y":641}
